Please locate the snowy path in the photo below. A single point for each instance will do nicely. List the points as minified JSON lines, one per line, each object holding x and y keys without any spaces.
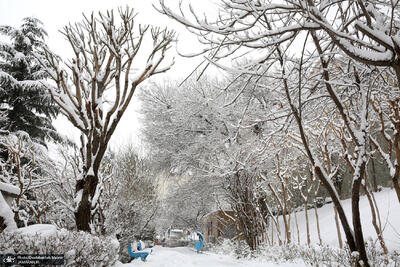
{"x":183,"y":256}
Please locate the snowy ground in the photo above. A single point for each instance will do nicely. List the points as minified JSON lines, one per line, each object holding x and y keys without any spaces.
{"x":390,"y":218}
{"x":184,"y":256}
{"x":389,"y":210}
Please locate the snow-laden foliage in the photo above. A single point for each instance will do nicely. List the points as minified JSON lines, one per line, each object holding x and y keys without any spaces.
{"x":78,"y":248}
{"x":188,"y":118}
{"x":130,"y":202}
{"x":67,"y":170}
{"x":23,"y":97}
{"x":27,"y":167}
{"x":365,"y":30}
{"x":196,"y":131}
{"x":126,"y":202}
{"x":187,"y":200}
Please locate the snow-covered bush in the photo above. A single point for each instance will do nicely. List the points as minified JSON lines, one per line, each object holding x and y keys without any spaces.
{"x":312,"y":256}
{"x":78,"y":248}
{"x":230,"y":247}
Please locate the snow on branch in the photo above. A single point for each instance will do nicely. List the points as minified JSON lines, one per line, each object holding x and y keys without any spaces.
{"x":94,"y":88}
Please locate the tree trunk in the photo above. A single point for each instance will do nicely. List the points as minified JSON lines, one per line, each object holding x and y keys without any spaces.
{"x":297,"y":227}
{"x":83,"y":215}
{"x":2,"y":224}
{"x":317,"y":220}
{"x":395,"y":178}
{"x":307,"y":222}
{"x":396,"y":186}
{"x":338,"y":228}
{"x":358,"y":234}
{"x":378,"y":230}
{"x":342,"y":216}
{"x":272,"y":233}
{"x":286,"y":215}
{"x":283,"y":213}
{"x":375,"y":184}
{"x":264,"y":210}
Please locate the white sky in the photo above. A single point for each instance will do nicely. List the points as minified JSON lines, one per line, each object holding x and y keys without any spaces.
{"x":57,"y":13}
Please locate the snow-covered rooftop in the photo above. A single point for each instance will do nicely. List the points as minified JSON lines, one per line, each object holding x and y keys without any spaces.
{"x":9,"y":188}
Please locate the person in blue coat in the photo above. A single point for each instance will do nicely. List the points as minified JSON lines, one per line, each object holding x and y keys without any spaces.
{"x":200,"y":243}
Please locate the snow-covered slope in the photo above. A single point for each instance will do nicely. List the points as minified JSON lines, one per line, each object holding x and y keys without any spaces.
{"x":389,"y":209}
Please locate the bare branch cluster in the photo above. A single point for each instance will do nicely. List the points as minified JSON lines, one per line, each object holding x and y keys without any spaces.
{"x":95,"y":87}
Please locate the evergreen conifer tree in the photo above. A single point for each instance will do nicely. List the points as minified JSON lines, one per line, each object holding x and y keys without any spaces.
{"x":24,"y":99}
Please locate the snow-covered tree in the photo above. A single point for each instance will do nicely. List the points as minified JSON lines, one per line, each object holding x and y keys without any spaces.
{"x":130,"y":198}
{"x":94,"y":88}
{"x":187,"y":201}
{"x":196,"y":130}
{"x":28,"y":111}
{"x":24,"y":99}
{"x":365,"y":33}
{"x":67,"y":170}
{"x":183,"y":124}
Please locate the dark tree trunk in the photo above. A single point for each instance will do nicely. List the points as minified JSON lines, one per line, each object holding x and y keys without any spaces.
{"x":395,"y":178}
{"x":374,"y":183}
{"x":340,"y":211}
{"x":396,"y":186}
{"x":83,"y":215}
{"x":244,"y":204}
{"x":2,"y":224}
{"x":264,"y":210}
{"x":358,"y":233}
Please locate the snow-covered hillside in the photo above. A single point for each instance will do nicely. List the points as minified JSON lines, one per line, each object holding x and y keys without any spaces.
{"x":389,"y":210}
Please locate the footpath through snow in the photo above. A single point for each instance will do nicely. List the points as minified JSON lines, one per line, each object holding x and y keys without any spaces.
{"x":184,"y":256}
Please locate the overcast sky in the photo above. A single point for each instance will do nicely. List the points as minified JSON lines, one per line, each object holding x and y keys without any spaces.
{"x":57,"y":13}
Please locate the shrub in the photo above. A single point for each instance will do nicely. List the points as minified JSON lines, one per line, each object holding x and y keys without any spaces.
{"x":79,"y":248}
{"x":312,"y":256}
